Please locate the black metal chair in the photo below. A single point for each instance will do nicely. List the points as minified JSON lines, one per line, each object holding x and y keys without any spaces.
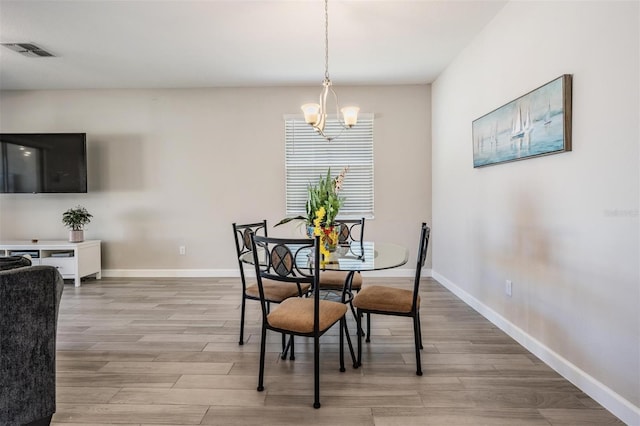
{"x":296,"y":261}
{"x":274,"y":292}
{"x":395,"y":301}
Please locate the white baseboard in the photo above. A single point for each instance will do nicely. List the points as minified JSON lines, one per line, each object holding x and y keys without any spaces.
{"x":230,"y":273}
{"x":619,"y":406}
{"x":170,"y":273}
{"x":397,"y":273}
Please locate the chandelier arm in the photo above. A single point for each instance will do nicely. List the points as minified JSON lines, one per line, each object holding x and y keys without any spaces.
{"x":338,"y":118}
{"x":322,"y":117}
{"x":330,"y":138}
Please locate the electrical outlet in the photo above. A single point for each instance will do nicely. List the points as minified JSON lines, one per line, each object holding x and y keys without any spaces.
{"x":508,"y":287}
{"x":182,"y":250}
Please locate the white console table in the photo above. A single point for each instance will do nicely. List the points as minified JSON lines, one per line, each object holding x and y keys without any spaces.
{"x":73,"y":260}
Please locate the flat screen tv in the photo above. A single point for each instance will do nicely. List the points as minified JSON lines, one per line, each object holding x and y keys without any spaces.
{"x":43,"y":162}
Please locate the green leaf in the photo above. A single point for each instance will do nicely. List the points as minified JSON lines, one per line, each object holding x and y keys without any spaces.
{"x":289,"y":219}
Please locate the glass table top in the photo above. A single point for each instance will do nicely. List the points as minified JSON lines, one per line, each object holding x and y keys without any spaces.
{"x":368,"y":256}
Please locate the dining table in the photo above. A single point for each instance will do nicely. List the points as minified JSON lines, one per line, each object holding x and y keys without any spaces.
{"x":354,"y":257}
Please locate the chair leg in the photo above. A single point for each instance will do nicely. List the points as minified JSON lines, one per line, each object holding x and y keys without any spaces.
{"x":353,"y":355}
{"x":353,"y":311}
{"x":292,"y":357}
{"x":416,"y":335}
{"x":359,"y":333}
{"x":285,"y":347}
{"x":343,"y":325}
{"x":244,"y":301}
{"x":368,"y":327}
{"x":262,"y":350}
{"x":419,"y":329}
{"x":316,"y":371}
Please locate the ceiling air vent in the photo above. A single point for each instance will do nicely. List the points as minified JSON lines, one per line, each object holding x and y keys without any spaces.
{"x":28,"y":49}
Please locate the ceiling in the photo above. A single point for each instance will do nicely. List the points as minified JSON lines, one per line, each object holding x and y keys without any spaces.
{"x":227,"y":43}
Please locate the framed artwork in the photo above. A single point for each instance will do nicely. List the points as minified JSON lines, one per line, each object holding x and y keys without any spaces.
{"x":535,"y":124}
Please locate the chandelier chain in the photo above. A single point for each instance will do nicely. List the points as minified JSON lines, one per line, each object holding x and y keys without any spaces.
{"x":326,"y":39}
{"x":316,"y":114}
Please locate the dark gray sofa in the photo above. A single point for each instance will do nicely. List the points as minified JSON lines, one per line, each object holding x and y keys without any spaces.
{"x":29,"y":301}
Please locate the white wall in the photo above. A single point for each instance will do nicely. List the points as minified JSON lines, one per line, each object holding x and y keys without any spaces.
{"x":564,"y":227}
{"x":177,"y":167}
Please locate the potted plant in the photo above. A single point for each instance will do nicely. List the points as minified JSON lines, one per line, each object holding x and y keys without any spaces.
{"x":323,"y":194}
{"x":75,"y":219}
{"x":323,"y":205}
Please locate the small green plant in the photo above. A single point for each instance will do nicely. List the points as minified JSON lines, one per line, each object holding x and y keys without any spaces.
{"x":75,"y":219}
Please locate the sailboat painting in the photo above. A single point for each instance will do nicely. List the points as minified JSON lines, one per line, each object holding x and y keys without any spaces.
{"x":535,"y":124}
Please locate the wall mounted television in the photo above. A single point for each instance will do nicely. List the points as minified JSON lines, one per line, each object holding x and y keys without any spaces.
{"x":43,"y":162}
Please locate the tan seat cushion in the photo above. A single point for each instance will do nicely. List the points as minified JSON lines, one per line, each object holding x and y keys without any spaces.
{"x":334,"y":280}
{"x":296,"y":314}
{"x":276,"y":291}
{"x":385,"y":299}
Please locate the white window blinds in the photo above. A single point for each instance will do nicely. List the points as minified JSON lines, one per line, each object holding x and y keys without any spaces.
{"x":308,"y":156}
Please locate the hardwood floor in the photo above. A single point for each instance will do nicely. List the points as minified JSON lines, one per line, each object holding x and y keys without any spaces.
{"x":165,"y":351}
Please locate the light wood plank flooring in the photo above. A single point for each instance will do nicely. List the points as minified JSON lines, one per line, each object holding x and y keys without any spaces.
{"x":165,"y":351}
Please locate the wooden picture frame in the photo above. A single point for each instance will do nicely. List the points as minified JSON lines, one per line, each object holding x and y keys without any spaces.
{"x":535,"y":124}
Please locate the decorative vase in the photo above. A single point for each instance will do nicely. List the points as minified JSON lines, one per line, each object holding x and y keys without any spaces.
{"x":310,"y":229}
{"x":76,"y":236}
{"x":330,"y":238}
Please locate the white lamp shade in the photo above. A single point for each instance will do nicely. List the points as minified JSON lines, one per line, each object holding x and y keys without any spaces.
{"x":350,"y":115}
{"x":311,"y":113}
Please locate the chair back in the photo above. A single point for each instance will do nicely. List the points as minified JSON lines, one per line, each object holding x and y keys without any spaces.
{"x":422,"y":256}
{"x":242,"y":235}
{"x":350,"y":230}
{"x":289,"y":260}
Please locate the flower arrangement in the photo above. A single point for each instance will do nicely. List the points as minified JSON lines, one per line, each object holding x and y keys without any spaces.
{"x":325,"y":194}
{"x":323,"y":205}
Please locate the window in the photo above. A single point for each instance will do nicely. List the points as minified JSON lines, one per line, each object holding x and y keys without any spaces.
{"x":308,"y":156}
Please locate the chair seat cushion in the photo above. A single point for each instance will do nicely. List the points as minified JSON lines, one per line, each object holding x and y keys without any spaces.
{"x":336,"y":279}
{"x":276,"y":291}
{"x":296,"y":315}
{"x":385,"y":299}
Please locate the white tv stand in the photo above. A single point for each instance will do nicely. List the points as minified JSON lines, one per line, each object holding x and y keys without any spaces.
{"x":73,"y":260}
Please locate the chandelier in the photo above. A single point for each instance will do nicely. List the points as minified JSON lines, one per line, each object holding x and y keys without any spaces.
{"x":316,"y":114}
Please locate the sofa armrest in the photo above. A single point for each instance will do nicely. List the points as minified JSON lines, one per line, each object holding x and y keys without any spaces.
{"x":29,"y":303}
{"x":13,"y":262}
